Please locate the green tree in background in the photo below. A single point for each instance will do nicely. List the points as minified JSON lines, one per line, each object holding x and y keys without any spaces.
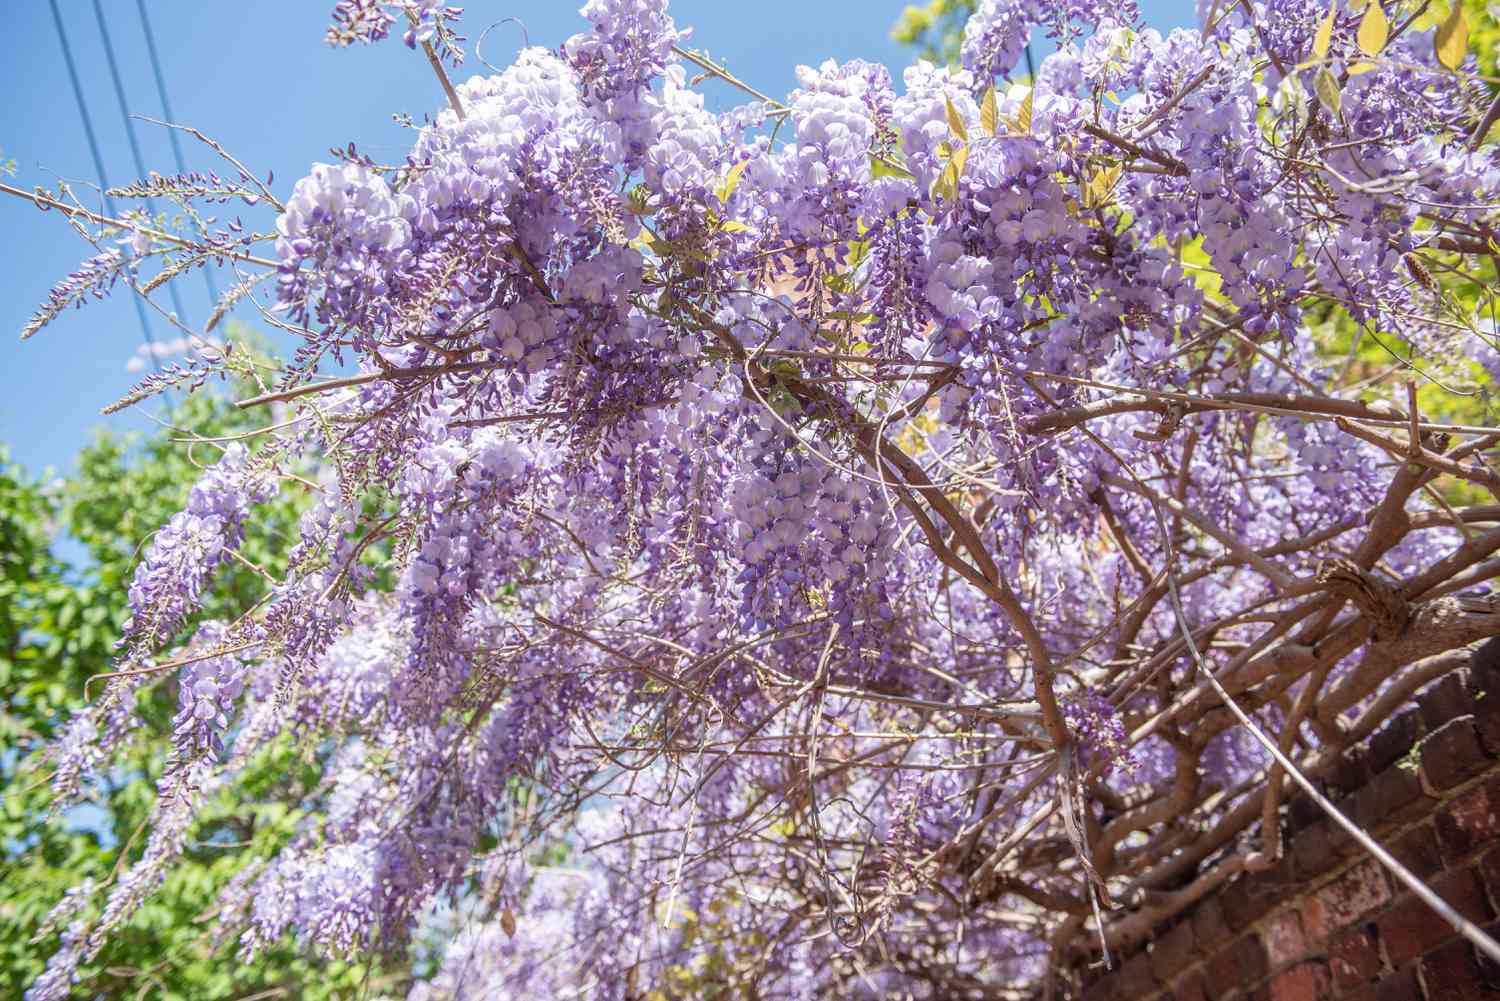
{"x":58,"y":621}
{"x":934,"y":29}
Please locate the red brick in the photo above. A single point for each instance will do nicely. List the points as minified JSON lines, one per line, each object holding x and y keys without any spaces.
{"x":1484,"y":690}
{"x":1312,"y":852}
{"x":1445,"y":700}
{"x":1484,"y":665}
{"x":1352,"y":896}
{"x":1451,"y":754}
{"x":1489,"y":872}
{"x":1487,"y":722}
{"x":1303,"y":982}
{"x":1340,"y":841}
{"x":1314,"y":918}
{"x":1489,"y":969}
{"x":1209,"y":926}
{"x":1283,"y":877}
{"x":1238,"y":967}
{"x":1223,"y":972}
{"x":1102,"y":988}
{"x":1135,"y":979}
{"x":1092,"y":977}
{"x":1354,"y":957}
{"x":1452,"y":974}
{"x":1470,"y":822}
{"x":1392,"y":797}
{"x":1248,"y":898}
{"x":1393,"y":740}
{"x":1411,"y":928}
{"x":1302,"y":812}
{"x":1417,"y":849}
{"x":1402,"y":985}
{"x":1347,"y":774}
{"x":1283,"y":938}
{"x":1251,"y":954}
{"x":1172,"y":951}
{"x":1190,"y":988}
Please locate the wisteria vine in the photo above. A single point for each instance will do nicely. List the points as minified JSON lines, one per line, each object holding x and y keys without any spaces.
{"x":781,"y":550}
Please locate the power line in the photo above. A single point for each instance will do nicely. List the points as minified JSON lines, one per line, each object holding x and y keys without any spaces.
{"x":166,"y":112}
{"x":88,"y":131}
{"x":135,"y":147}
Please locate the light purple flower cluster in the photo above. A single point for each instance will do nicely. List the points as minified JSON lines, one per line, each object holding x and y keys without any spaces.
{"x":712,"y":490}
{"x":341,"y":228}
{"x":93,"y":279}
{"x":363,"y":21}
{"x":207,"y":691}
{"x":999,"y":30}
{"x":369,"y":21}
{"x":1096,"y":724}
{"x":180,"y":562}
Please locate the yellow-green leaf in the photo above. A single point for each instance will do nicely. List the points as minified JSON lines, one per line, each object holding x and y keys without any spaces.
{"x":946,"y":186}
{"x":956,"y":123}
{"x":734,"y":226}
{"x":1327,"y":86}
{"x":1101,"y":185}
{"x":989,"y":112}
{"x":1364,"y":66}
{"x":732,"y":180}
{"x":1374,"y":29}
{"x":1324,"y":35}
{"x":880,"y":167}
{"x":1020,"y":122}
{"x":1451,"y":43}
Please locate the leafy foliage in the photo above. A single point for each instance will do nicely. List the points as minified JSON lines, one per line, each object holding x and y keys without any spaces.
{"x":60,"y":618}
{"x":865,"y":545}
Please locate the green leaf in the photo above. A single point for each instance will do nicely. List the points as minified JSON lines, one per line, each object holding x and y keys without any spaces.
{"x":989,"y":112}
{"x":1363,"y":66}
{"x":734,"y":226}
{"x":881,"y":167}
{"x":858,"y":319}
{"x":955,"y":122}
{"x":1327,"y":86}
{"x":1451,"y":43}
{"x":1020,"y":122}
{"x":946,"y":186}
{"x":1374,"y":29}
{"x":732,"y":181}
{"x":1324,"y":35}
{"x":1101,"y":185}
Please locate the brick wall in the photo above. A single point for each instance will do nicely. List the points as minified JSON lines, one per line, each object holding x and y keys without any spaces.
{"x":1329,"y":923}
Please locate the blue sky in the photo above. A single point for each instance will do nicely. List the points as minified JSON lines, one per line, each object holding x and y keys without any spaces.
{"x":258,"y":78}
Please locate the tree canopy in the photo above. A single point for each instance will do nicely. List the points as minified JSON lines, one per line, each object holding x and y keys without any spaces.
{"x":59,"y":618}
{"x":885,"y":542}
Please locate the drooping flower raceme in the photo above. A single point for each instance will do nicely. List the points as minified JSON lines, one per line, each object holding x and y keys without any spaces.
{"x":724,"y":527}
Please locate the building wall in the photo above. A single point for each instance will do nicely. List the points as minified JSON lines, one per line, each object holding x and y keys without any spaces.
{"x":1329,"y":923}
